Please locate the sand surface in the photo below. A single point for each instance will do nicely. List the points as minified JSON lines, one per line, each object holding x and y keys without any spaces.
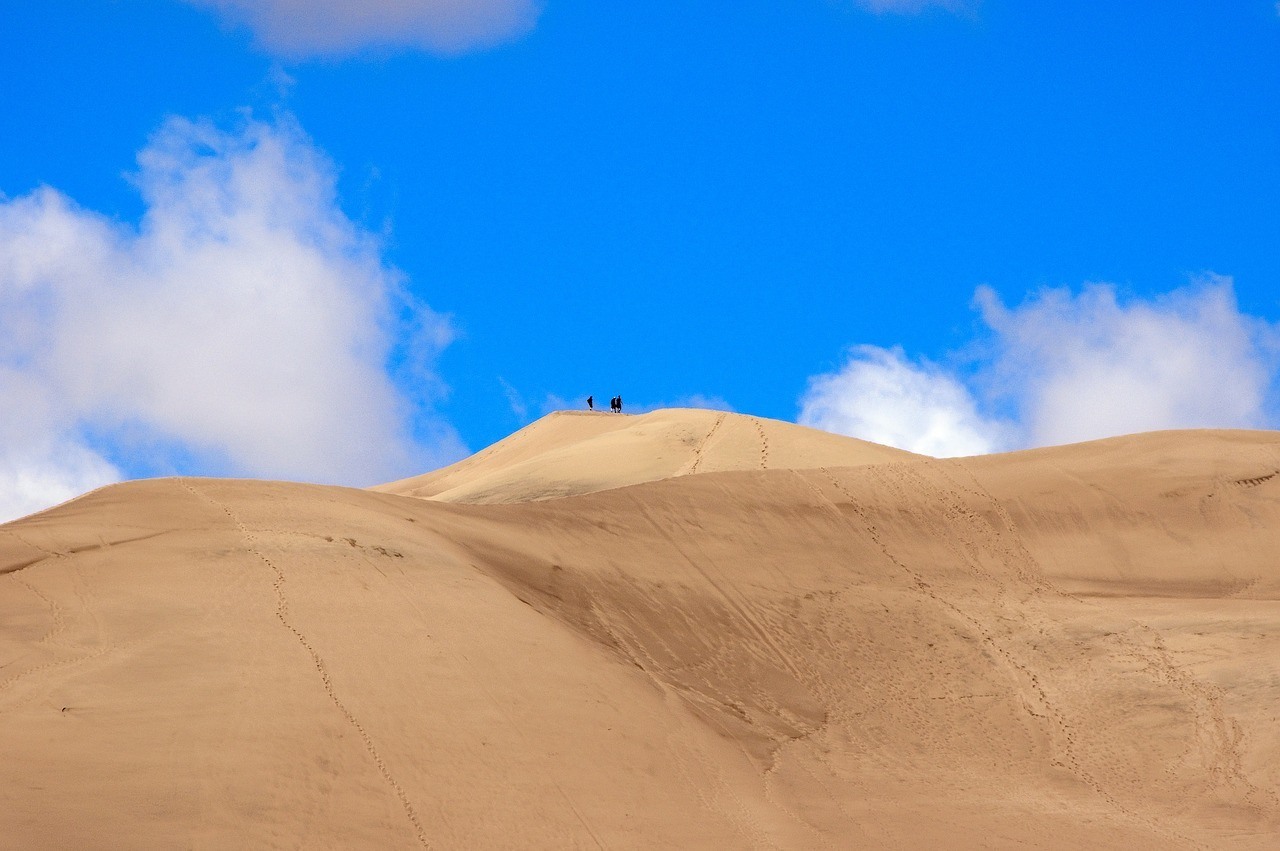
{"x":683,"y":629}
{"x":576,"y":452}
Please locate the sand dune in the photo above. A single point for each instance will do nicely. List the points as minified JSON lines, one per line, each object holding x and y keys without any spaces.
{"x":790,"y":641}
{"x":575,"y":452}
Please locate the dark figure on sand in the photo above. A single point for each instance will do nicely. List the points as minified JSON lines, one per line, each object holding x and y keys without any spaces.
{"x":591,"y":403}
{"x":615,"y":404}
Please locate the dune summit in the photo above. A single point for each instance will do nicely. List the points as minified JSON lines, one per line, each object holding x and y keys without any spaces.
{"x":681,"y":629}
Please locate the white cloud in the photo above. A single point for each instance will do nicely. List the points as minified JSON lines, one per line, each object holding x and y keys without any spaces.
{"x":329,"y":27}
{"x":1070,"y":367}
{"x":46,"y":472}
{"x":1085,"y":366}
{"x":246,"y":323}
{"x":881,"y":396}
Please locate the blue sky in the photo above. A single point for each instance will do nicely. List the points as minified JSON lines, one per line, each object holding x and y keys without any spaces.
{"x":788,"y":209}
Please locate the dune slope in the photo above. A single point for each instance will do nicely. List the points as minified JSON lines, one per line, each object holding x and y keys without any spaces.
{"x":575,"y":452}
{"x":1074,"y":647}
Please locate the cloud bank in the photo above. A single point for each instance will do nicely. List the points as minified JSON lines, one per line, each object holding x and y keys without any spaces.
{"x":1064,"y":367}
{"x":333,"y":27}
{"x":246,"y":326}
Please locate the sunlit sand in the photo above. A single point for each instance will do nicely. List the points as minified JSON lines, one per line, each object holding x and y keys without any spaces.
{"x":680,"y":629}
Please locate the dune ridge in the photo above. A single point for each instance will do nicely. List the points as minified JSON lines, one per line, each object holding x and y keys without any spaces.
{"x":574,"y":452}
{"x":794,"y":641}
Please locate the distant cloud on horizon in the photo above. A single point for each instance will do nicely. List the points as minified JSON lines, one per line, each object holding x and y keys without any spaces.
{"x":245,"y":325}
{"x":882,"y":396}
{"x":300,"y":28}
{"x":1064,"y":368}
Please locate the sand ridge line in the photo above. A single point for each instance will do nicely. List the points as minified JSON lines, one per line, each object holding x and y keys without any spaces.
{"x":282,"y":613}
{"x":1069,"y":760}
{"x":698,"y":453}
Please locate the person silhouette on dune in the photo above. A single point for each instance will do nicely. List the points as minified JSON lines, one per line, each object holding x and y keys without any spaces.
{"x":591,"y":403}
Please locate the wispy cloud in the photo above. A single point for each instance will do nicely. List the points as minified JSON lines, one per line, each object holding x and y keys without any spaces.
{"x":514,"y":400}
{"x":333,"y":27}
{"x":245,"y":324}
{"x":1064,"y":367}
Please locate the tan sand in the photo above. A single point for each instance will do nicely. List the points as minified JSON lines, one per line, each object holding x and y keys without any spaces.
{"x":574,"y":452}
{"x":855,"y":647}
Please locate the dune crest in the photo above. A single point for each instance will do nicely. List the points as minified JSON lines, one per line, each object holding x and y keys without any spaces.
{"x":795,"y":641}
{"x":574,"y":452}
